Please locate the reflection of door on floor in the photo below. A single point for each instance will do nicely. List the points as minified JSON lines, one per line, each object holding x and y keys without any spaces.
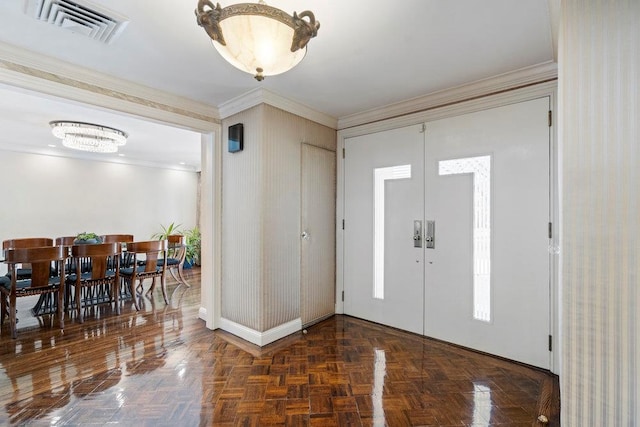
{"x":480,"y":183}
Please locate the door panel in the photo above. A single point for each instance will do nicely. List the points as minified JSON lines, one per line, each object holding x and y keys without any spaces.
{"x":317,"y":263}
{"x":384,"y":186}
{"x":487,"y":188}
{"x":484,"y":179}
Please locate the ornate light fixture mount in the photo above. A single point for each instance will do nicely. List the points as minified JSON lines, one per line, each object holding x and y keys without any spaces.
{"x":88,"y":137}
{"x":257,"y":38}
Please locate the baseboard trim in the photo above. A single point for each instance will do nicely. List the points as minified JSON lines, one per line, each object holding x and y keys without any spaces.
{"x":202,"y":313}
{"x":261,"y":338}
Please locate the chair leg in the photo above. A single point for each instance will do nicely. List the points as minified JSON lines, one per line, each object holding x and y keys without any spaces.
{"x":12,"y":315}
{"x":78,"y":297}
{"x":116,"y":294}
{"x":163,"y":280}
{"x":132,"y":289}
{"x":60,"y":295}
{"x":175,"y":276}
{"x":182,"y":279}
{"x":4,"y":312}
{"x":153,"y":286}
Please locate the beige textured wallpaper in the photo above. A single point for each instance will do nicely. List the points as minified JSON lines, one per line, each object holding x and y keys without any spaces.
{"x":261,"y":216}
{"x":600,"y":184}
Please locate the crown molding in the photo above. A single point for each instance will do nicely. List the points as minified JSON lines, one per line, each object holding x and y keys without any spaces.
{"x":262,"y":96}
{"x":88,"y":157}
{"x":40,"y":73}
{"x":508,"y":81}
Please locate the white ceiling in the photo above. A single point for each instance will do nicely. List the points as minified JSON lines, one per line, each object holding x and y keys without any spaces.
{"x":367,"y":54}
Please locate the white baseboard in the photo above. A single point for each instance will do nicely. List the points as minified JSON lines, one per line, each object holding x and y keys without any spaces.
{"x":261,"y":338}
{"x":202,"y":313}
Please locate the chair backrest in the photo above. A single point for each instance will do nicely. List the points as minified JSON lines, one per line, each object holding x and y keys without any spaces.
{"x":117,"y":238}
{"x":30,"y":242}
{"x":177,"y":247}
{"x":41,"y":260}
{"x":65,"y":241}
{"x":152,"y":249}
{"x":101,"y":257}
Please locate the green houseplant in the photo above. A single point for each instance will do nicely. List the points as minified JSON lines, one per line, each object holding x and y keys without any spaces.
{"x":193,"y":242}
{"x":172,"y":228}
{"x":87,"y":238}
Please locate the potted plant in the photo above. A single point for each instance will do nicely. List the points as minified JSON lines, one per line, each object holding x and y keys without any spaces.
{"x":193,"y":241}
{"x":167,"y":231}
{"x":85,"y":238}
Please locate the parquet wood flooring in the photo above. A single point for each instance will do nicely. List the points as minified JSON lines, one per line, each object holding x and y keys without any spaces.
{"x":162,"y":367}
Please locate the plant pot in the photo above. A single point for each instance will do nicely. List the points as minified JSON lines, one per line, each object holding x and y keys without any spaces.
{"x":86,"y":242}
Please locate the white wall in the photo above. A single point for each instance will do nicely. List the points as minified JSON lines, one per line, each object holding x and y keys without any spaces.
{"x":599,"y":97}
{"x":44,"y":196}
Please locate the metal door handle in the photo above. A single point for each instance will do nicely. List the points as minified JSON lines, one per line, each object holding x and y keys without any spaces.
{"x":430,"y":235}
{"x":305,"y":235}
{"x":417,"y":234}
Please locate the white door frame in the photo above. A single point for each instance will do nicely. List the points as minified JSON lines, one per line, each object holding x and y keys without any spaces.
{"x":514,"y":96}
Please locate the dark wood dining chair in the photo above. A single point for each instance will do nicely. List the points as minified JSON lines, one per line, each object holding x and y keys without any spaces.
{"x":24,"y":271}
{"x":125,"y":261}
{"x":99,"y":265}
{"x":117,"y":238}
{"x":44,"y":262}
{"x":176,"y":255}
{"x":45,"y":304}
{"x":154,"y":255}
{"x":65,"y":240}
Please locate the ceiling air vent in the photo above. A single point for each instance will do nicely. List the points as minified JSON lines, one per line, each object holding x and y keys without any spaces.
{"x":83,"y":18}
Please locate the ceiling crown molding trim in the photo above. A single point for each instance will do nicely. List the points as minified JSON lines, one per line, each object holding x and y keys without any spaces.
{"x":523,"y":77}
{"x":87,"y":157}
{"x":262,"y":96}
{"x":36,"y":72}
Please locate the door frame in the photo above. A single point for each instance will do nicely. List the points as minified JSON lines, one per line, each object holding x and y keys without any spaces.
{"x":547,"y":89}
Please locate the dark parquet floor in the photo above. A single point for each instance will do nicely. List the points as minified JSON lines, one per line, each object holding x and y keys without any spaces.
{"x":162,"y":367}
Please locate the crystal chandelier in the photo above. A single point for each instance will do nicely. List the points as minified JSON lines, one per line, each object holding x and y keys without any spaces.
{"x":257,"y":38}
{"x":88,"y":137}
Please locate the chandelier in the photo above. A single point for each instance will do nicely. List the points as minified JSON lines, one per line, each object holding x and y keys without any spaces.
{"x":88,"y":137}
{"x":257,"y":38}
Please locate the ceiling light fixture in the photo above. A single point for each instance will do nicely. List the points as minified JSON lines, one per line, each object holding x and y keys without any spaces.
{"x":88,"y":137}
{"x":257,"y":38}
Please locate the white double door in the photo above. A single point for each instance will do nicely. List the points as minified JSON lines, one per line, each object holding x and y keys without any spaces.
{"x":446,"y":230}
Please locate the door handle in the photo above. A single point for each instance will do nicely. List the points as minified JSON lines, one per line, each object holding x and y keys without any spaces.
{"x":305,"y":235}
{"x":417,"y":234}
{"x":430,"y":235}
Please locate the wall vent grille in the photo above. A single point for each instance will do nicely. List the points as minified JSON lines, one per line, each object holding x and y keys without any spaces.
{"x":83,"y":18}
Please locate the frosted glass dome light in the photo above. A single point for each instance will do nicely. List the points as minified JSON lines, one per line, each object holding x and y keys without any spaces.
{"x":256,"y":38}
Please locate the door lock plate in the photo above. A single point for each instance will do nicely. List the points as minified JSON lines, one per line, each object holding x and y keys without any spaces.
{"x":417,"y":234}
{"x":430,"y":235}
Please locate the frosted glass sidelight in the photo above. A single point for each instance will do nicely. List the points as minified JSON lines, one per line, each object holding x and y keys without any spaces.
{"x":480,"y":167}
{"x":380,"y":176}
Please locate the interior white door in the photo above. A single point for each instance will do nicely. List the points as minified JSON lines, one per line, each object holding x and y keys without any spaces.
{"x":318,"y":242}
{"x":487,"y":189}
{"x":383,"y":199}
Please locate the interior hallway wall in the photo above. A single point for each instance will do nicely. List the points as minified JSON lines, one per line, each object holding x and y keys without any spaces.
{"x":600,"y":155}
{"x":261,"y":216}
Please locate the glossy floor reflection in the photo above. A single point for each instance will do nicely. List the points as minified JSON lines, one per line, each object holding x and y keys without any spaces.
{"x":162,"y":367}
